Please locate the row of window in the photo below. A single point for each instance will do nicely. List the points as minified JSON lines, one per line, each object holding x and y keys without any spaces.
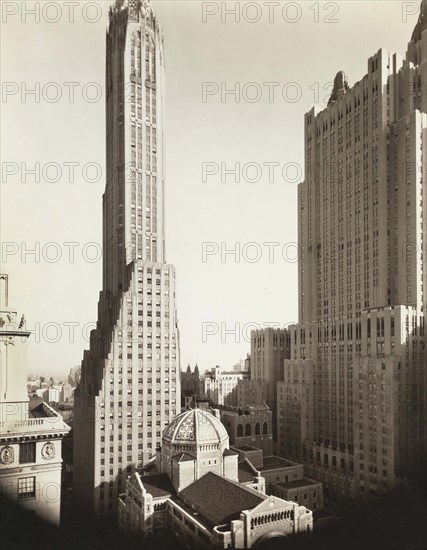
{"x":248,"y":429}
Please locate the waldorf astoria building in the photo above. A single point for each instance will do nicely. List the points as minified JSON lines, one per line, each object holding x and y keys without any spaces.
{"x":130,"y":388}
{"x":352,"y":403}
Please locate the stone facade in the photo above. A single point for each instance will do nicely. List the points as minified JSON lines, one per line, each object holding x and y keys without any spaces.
{"x":269,"y":348}
{"x":30,"y":436}
{"x":305,"y":491}
{"x":249,"y":425}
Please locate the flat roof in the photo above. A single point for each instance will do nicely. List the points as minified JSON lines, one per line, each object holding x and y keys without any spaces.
{"x":304,"y":482}
{"x":157,"y":485}
{"x":37,"y":419}
{"x":246,"y":448}
{"x":245,"y":473}
{"x":229,"y":452}
{"x":274,"y":462}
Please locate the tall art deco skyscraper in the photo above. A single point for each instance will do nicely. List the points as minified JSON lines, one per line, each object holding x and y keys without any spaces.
{"x":130,"y":385}
{"x":352,"y":405}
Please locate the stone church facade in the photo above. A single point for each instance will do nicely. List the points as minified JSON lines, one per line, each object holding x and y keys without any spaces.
{"x":194,"y":489}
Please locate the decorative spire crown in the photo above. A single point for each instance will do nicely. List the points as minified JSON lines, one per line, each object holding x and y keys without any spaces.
{"x":135,"y":7}
{"x":340,"y":87}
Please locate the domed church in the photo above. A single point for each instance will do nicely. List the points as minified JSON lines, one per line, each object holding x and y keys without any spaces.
{"x":195,"y":443}
{"x":193,"y":489}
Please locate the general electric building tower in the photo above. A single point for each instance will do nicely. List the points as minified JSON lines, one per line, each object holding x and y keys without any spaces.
{"x":130,"y":385}
{"x":352,"y":405}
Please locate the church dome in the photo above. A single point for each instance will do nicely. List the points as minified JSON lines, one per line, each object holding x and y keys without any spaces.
{"x":195,"y":427}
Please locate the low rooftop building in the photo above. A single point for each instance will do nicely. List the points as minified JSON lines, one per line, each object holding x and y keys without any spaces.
{"x":249,"y":425}
{"x":278,"y":476}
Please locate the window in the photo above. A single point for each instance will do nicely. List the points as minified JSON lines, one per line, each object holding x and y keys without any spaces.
{"x":26,"y":487}
{"x":27,"y":452}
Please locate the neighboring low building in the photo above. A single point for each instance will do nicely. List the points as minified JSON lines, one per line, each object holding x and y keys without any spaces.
{"x":281,"y":477}
{"x":33,"y":383}
{"x":53,"y":394}
{"x":31,"y":432}
{"x":61,"y":393}
{"x":243,"y":365}
{"x":220,"y":387}
{"x":305,"y":491}
{"x":198,"y":492}
{"x":249,"y":425}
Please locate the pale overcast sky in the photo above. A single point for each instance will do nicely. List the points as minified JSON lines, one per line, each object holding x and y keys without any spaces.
{"x":301,"y":57}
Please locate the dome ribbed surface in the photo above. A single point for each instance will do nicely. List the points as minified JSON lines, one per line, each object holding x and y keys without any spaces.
{"x":195,"y":426}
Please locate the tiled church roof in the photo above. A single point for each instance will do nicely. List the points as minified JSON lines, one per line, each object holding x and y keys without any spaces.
{"x":219,"y":500}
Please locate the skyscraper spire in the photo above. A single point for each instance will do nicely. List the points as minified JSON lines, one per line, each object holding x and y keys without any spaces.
{"x":135,"y":7}
{"x":340,"y":87}
{"x":130,"y":382}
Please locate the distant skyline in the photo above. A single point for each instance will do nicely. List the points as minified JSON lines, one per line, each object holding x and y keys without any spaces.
{"x":59,"y":299}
